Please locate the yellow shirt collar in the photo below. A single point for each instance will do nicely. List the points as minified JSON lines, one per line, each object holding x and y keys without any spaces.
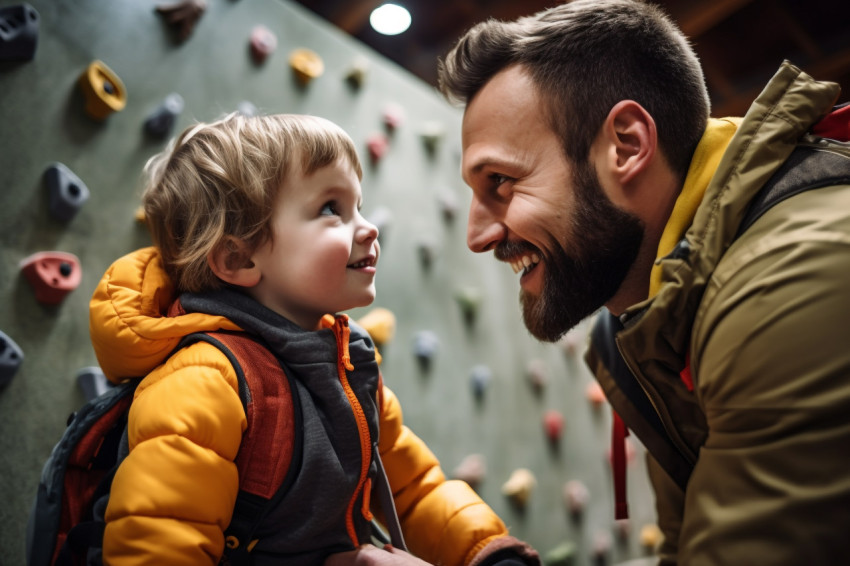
{"x":706,"y":158}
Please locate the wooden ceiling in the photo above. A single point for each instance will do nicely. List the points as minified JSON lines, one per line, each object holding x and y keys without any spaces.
{"x":740,"y":42}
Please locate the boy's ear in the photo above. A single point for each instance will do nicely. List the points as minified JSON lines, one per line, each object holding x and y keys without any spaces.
{"x":230,"y":260}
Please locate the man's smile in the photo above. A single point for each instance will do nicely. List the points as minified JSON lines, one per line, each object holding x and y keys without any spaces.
{"x":525,"y":263}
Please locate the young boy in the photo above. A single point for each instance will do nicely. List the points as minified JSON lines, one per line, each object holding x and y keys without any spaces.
{"x":257,"y":227}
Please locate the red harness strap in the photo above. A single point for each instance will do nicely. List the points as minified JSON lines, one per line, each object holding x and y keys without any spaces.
{"x":618,"y":464}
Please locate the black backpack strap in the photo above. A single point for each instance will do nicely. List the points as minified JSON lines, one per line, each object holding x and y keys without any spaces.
{"x":385,"y":497}
{"x":805,"y":169}
{"x":635,"y":407}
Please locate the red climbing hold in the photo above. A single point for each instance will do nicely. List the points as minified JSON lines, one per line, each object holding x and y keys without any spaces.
{"x":52,"y":275}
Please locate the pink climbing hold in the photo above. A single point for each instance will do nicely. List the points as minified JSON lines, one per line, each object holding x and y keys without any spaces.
{"x":52,"y":275}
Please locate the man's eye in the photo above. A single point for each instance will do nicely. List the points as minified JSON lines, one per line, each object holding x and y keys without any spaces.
{"x":329,"y":209}
{"x":498,"y":179}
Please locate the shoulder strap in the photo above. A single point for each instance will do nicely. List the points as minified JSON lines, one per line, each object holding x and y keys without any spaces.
{"x":385,"y":497}
{"x":635,"y":407}
{"x":274,"y":417}
{"x":805,"y":169}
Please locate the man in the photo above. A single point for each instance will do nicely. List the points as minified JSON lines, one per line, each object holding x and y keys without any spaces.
{"x":597,"y":174}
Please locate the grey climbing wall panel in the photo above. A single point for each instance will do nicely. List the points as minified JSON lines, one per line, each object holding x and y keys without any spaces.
{"x":42,"y":121}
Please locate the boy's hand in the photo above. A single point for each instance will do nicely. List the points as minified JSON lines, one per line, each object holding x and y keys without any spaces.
{"x":368,"y":555}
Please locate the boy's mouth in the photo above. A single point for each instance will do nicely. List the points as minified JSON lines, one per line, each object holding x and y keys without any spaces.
{"x":365,"y":262}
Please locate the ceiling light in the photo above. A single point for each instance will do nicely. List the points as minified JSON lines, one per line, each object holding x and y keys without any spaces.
{"x":390,"y":19}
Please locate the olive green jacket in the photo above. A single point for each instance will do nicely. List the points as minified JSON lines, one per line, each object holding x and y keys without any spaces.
{"x":753,"y":464}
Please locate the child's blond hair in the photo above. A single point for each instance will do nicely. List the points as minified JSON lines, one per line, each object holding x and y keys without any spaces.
{"x":221,"y":179}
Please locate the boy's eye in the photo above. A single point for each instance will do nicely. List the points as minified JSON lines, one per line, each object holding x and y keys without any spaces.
{"x":329,"y":209}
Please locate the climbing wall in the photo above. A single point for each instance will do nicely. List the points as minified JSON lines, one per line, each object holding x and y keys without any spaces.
{"x":470,"y":379}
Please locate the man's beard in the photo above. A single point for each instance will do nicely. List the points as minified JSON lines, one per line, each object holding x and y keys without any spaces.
{"x":605,"y":242}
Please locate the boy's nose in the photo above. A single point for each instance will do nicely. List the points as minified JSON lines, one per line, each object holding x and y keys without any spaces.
{"x":367,"y":231}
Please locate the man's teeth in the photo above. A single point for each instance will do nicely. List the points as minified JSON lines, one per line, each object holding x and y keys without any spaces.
{"x":526,"y":262}
{"x":361,"y":263}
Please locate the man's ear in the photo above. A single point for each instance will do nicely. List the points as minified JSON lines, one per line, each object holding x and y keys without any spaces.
{"x":632,"y":140}
{"x":230,"y":260}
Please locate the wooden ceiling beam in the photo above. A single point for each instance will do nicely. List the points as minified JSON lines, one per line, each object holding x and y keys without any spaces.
{"x":829,"y":68}
{"x":706,"y":14}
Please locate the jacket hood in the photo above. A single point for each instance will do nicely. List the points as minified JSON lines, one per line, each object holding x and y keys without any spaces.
{"x":130,"y":329}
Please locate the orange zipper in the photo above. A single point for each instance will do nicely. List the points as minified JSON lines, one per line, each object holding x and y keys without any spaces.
{"x":342,"y":333}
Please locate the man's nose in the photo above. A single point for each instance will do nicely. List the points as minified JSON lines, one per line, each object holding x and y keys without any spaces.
{"x":485,"y":229}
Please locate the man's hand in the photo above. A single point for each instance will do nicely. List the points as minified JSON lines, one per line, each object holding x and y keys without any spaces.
{"x":368,"y":555}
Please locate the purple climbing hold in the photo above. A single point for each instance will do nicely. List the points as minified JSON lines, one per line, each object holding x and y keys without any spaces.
{"x":18,"y":32}
{"x":66,"y":192}
{"x":11,"y":357}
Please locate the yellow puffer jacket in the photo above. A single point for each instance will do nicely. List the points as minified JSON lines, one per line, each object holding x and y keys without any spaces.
{"x":173,"y":496}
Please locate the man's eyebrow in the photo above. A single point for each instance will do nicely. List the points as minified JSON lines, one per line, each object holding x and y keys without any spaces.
{"x":494,"y":161}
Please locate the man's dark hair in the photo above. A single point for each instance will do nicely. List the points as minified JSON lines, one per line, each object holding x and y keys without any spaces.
{"x":584,"y":57}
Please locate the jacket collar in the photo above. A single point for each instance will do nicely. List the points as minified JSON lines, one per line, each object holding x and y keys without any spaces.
{"x":710,"y":149}
{"x":787,"y":107}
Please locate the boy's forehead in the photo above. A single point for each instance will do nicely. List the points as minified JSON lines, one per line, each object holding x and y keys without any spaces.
{"x":338,"y":176}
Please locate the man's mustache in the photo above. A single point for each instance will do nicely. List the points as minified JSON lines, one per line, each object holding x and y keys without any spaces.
{"x":510,"y":249}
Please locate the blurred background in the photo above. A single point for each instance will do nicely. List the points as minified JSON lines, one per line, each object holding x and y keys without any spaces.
{"x":740,"y":42}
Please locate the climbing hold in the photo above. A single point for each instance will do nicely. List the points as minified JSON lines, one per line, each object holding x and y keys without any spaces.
{"x":160,"y":122}
{"x":18,"y":32}
{"x":103,"y":91}
{"x":432,"y":134}
{"x":448,"y":206}
{"x":306,"y":64}
{"x":553,"y":424}
{"x":356,"y":75}
{"x":519,"y":486}
{"x":66,"y":192}
{"x":651,"y":537}
{"x":573,"y":341}
{"x":11,"y":357}
{"x":601,"y":547}
{"x":595,"y":394}
{"x":92,"y":382}
{"x":378,"y":145}
{"x":631,"y":453}
{"x":139,"y":215}
{"x":382,"y":218}
{"x":183,"y":16}
{"x":52,"y":275}
{"x":536,"y":375}
{"x":427,"y":252}
{"x":393,"y":116}
{"x":562,"y":555}
{"x":247,"y":108}
{"x":480,"y":378}
{"x":471,"y":469}
{"x":263,"y":43}
{"x":469,"y":301}
{"x":576,"y":497}
{"x":425,"y":346}
{"x":380,"y":324}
